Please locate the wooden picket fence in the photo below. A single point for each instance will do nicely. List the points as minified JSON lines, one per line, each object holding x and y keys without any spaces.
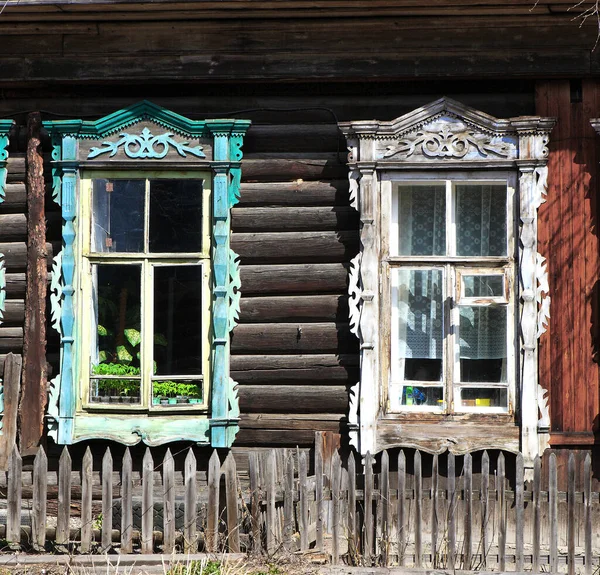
{"x":408,"y":510}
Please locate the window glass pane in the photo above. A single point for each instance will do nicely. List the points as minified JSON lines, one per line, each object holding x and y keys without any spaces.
{"x":483,"y":286}
{"x":115,"y":353}
{"x":418,"y":297}
{"x":484,"y":397}
{"x":428,"y":396}
{"x":482,"y":337}
{"x":118,"y":215}
{"x":178,"y":320}
{"x":422,"y":220}
{"x":176,"y":216}
{"x":481,"y":220}
{"x":177,"y":393}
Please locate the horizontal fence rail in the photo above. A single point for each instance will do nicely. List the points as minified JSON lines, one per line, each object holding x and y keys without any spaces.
{"x":403,"y":508}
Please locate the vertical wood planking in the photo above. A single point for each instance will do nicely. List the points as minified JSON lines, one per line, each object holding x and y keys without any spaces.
{"x":553,"y":512}
{"x":13,"y":512}
{"x":64,"y":497}
{"x":40,"y":490}
{"x":501,"y":503}
{"x":571,"y":514}
{"x":231,"y":488}
{"x":336,"y":480}
{"x":368,"y":498}
{"x":255,"y":500}
{"x":519,"y":511}
{"x":418,"y":508}
{"x":303,"y":487}
{"x":434,"y":510}
{"x":107,"y":495}
{"x":452,"y":506}
{"x":190,"y":537}
{"x":11,"y":387}
{"x":319,"y":488}
{"x":352,"y":536}
{"x":168,"y":503}
{"x":537,"y":478}
{"x":86,"y":501}
{"x":385,"y":508}
{"x":288,"y":502}
{"x":485,"y":512}
{"x":468,"y":491}
{"x":214,"y":480}
{"x":271,"y":517}
{"x":126,"y":503}
{"x":147,"y":502}
{"x":587,"y":512}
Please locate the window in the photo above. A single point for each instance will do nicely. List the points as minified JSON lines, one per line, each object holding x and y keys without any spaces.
{"x":448,"y":293}
{"x":451,"y":279}
{"x":145,"y":289}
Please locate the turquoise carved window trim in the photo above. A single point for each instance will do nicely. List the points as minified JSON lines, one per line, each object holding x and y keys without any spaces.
{"x":146,"y":137}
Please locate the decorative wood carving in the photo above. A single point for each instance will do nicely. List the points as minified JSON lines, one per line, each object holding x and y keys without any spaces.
{"x":446,"y":134}
{"x":354,"y":294}
{"x":146,"y":146}
{"x":353,"y":416}
{"x":2,"y":287}
{"x":5,"y":126}
{"x":227,"y":137}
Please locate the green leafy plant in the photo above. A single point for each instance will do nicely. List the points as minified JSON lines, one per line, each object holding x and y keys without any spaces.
{"x":124,"y":387}
{"x":174,"y":389}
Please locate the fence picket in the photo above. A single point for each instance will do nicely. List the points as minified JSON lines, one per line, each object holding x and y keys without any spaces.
{"x":147,"y":502}
{"x":434,"y":510}
{"x":587,"y":511}
{"x":255,"y":501}
{"x":501,"y":491}
{"x":270,"y":485}
{"x":537,"y":479}
{"x":126,"y":503}
{"x":319,"y":488}
{"x":214,"y":481}
{"x":418,"y":508}
{"x":385,"y":508}
{"x":352,"y":538}
{"x":452,"y":505}
{"x":336,"y":479}
{"x":231,"y":496}
{"x":190,"y":542}
{"x":519,"y":512}
{"x":86,"y":501}
{"x":13,"y":513}
{"x":40,"y":490}
{"x":168,"y":503}
{"x":571,"y":514}
{"x":303,"y":487}
{"x":401,"y":507}
{"x":107,"y":492}
{"x":553,"y":504}
{"x":468,"y":491}
{"x":288,"y":504}
{"x":64,"y":497}
{"x":368,"y":500}
{"x":484,"y":497}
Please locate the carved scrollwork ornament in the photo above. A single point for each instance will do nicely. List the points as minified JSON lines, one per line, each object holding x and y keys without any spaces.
{"x":355,"y":294}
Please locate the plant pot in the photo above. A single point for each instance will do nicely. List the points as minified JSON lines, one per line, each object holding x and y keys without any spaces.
{"x":182,"y":400}
{"x":172,"y":401}
{"x":156,"y":401}
{"x":195,"y":400}
{"x":114,"y":399}
{"x":164,"y":401}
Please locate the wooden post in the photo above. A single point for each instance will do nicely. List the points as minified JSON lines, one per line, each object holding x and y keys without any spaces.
{"x":12,"y":384}
{"x":190,"y":542}
{"x":352,"y":536}
{"x":255,"y":500}
{"x":385,"y":508}
{"x":271,"y":517}
{"x":13,"y":510}
{"x":40,"y":490}
{"x":147,"y":502}
{"x":214,"y":480}
{"x":168,"y":503}
{"x":107,"y":497}
{"x":33,"y":392}
{"x":434,"y":510}
{"x":484,"y":494}
{"x":231,"y":496}
{"x":64,"y":497}
{"x":86,"y":501}
{"x":468,"y":483}
{"x":418,"y":509}
{"x":500,"y":489}
{"x":401,"y":506}
{"x":520,"y":512}
{"x":553,"y":504}
{"x":126,"y":503}
{"x":571,"y":514}
{"x":288,"y":504}
{"x":537,"y":479}
{"x":451,"y":495}
{"x":319,"y":488}
{"x":587,"y":512}
{"x":368,"y":500}
{"x":336,"y":480}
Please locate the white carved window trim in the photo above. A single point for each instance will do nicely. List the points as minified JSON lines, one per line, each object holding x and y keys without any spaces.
{"x":446,"y":135}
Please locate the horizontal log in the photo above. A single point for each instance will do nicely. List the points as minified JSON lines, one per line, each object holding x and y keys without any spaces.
{"x":293,"y":278}
{"x":293,"y":399}
{"x":11,"y":339}
{"x":287,"y":169}
{"x":298,"y":193}
{"x":281,"y":437}
{"x":16,"y":198}
{"x":15,"y":285}
{"x":294,"y":219}
{"x":280,"y":362}
{"x":293,"y":308}
{"x":13,"y":227}
{"x":15,"y":254}
{"x":314,"y":421}
{"x":16,"y":168}
{"x":295,"y":247}
{"x":300,"y":138}
{"x":14,"y":311}
{"x":293,"y":338}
